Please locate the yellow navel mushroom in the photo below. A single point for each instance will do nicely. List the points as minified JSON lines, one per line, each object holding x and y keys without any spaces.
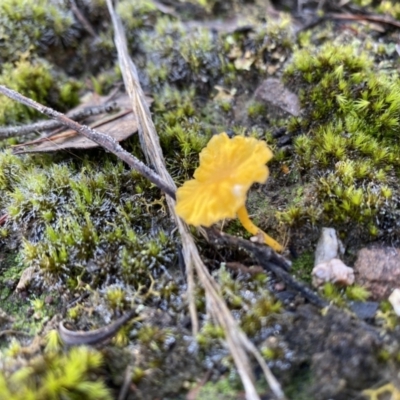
{"x":228,"y":168}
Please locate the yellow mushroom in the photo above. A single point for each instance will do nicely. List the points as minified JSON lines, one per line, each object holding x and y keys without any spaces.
{"x":228,"y":168}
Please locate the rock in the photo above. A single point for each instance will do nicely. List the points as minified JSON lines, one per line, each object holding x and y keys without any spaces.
{"x":364,"y":309}
{"x":329,"y":246}
{"x":343,"y":352}
{"x":377,"y":270}
{"x":394,"y":300}
{"x":334,"y":271}
{"x":279,"y":100}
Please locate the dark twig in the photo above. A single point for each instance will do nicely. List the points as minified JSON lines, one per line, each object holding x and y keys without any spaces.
{"x":14,"y":332}
{"x":97,"y":336}
{"x":82,"y":19}
{"x":381,"y":19}
{"x":127,"y":383}
{"x":101,"y":139}
{"x":13,"y":131}
{"x":270,"y":261}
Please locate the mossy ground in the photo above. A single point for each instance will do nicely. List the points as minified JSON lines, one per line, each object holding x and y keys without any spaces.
{"x":99,"y":239}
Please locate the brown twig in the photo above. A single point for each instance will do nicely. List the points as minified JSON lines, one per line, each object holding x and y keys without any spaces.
{"x":77,"y":338}
{"x":123,"y":393}
{"x":82,"y":19}
{"x":40,"y":126}
{"x":270,"y":261}
{"x":100,"y":138}
{"x":14,"y":332}
{"x":381,"y":19}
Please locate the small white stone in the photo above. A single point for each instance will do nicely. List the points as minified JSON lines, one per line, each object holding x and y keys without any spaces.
{"x":394,"y":300}
{"x":334,"y":271}
{"x":329,"y":246}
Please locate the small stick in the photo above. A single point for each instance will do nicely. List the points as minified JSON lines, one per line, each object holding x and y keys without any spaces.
{"x":127,"y":383}
{"x":78,"y":338}
{"x":82,"y":19}
{"x":40,"y":126}
{"x":101,"y":139}
{"x":270,"y":261}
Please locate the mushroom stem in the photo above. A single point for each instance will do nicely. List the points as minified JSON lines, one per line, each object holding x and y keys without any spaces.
{"x":250,"y":227}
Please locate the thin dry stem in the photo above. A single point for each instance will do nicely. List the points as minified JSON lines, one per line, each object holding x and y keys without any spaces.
{"x":101,"y":139}
{"x":237,"y":341}
{"x":13,"y":131}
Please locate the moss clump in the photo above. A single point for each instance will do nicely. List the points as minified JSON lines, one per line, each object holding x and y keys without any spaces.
{"x":254,"y":312}
{"x":35,"y":79}
{"x":69,"y":375}
{"x":338,"y":83}
{"x":182,"y":135}
{"x":179,"y":57}
{"x":223,"y":389}
{"x":73,"y":223}
{"x":136,"y":14}
{"x":302,"y":266}
{"x":349,"y":155}
{"x":34,"y":25}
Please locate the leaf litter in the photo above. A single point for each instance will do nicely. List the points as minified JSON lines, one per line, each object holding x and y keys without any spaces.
{"x":120,"y":125}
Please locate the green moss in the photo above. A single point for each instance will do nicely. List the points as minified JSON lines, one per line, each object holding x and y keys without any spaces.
{"x":136,"y":14}
{"x":357,"y":293}
{"x":349,"y":154}
{"x":55,"y":375}
{"x":256,"y":109}
{"x":28,"y":313}
{"x":339,"y":82}
{"x":389,"y":8}
{"x":341,"y":296}
{"x":302,"y":266}
{"x":223,"y":389}
{"x":256,"y":311}
{"x":34,"y":25}
{"x":182,"y":135}
{"x":35,"y":80}
{"x":194,"y":57}
{"x":72,"y":220}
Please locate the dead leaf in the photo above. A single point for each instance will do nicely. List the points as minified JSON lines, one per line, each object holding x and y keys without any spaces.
{"x":119,"y":125}
{"x":277,"y":98}
{"x":224,"y":94}
{"x":25,"y":278}
{"x":244,"y":63}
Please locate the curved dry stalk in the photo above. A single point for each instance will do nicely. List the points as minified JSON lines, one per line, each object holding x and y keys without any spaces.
{"x":237,"y":341}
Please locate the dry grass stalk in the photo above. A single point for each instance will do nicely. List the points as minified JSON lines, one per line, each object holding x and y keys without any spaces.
{"x":101,"y":139}
{"x":237,"y":341}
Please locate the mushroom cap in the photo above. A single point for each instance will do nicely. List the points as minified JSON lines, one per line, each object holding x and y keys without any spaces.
{"x":228,"y":167}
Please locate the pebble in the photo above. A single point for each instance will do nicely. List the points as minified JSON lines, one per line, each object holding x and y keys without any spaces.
{"x":327,"y":265}
{"x":377,"y":270}
{"x":329,"y":246}
{"x":394,"y":300}
{"x":278,"y":99}
{"x":334,"y":271}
